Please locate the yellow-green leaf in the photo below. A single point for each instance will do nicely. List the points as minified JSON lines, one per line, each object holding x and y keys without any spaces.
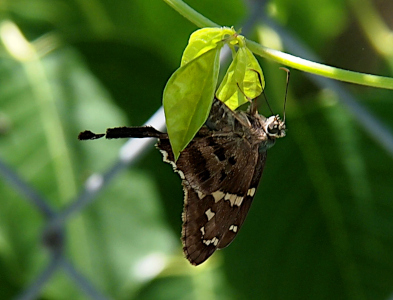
{"x":252,"y":85}
{"x":241,"y":79}
{"x":204,"y":40}
{"x":228,"y":92}
{"x":188,"y":96}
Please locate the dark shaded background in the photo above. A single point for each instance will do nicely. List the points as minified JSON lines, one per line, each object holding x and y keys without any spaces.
{"x":321,"y":226}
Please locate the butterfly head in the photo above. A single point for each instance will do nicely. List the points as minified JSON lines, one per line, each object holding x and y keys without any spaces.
{"x":274,"y":127}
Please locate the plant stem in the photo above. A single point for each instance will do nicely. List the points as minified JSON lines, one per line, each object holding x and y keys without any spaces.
{"x":190,"y":14}
{"x":287,"y":59}
{"x":321,"y":69}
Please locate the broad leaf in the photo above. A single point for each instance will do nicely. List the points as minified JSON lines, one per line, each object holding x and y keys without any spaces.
{"x":188,"y":96}
{"x":46,"y":103}
{"x":203,"y":40}
{"x":241,"y":79}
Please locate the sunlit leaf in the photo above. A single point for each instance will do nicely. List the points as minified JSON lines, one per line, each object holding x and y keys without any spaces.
{"x":244,"y":77}
{"x":253,"y":82}
{"x":294,"y":255}
{"x":188,"y":96}
{"x":228,"y":92}
{"x":204,"y":40}
{"x":98,"y":240}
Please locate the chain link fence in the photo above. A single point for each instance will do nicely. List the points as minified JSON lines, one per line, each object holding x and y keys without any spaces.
{"x":53,"y":235}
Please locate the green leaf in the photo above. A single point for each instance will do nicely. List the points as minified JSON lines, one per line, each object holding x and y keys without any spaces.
{"x":291,"y":256}
{"x":47,"y":102}
{"x":253,"y":84}
{"x":203,"y":40}
{"x":241,"y":79}
{"x":188,"y":96}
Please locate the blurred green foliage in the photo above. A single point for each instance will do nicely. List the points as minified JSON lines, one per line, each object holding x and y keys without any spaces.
{"x":321,"y":226}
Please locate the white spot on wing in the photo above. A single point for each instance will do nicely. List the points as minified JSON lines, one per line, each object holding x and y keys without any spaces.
{"x":210,"y":214}
{"x":203,"y":230}
{"x":239,"y":200}
{"x":213,"y":241}
{"x":233,"y":228}
{"x":200,"y":194}
{"x":218,"y":195}
{"x":231,"y":198}
{"x":251,"y":192}
{"x":234,"y":199}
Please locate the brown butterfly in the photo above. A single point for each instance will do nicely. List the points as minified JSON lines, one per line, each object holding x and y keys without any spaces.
{"x":220,"y":171}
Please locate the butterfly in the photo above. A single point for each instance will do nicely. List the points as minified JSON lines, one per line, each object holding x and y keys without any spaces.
{"x":220,"y":171}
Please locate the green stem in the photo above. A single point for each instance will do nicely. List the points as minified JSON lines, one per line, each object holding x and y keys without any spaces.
{"x":320,"y":69}
{"x":190,"y":14}
{"x":287,"y":59}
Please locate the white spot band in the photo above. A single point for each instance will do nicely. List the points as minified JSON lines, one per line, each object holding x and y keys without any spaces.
{"x":209,"y":214}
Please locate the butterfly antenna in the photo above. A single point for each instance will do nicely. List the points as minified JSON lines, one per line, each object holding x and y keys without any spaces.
{"x":286,"y":88}
{"x":253,"y":102}
{"x":254,"y":109}
{"x":267,"y":102}
{"x":263,"y":91}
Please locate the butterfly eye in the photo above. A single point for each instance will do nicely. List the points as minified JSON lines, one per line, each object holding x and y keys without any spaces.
{"x":276,"y":128}
{"x":273,"y":131}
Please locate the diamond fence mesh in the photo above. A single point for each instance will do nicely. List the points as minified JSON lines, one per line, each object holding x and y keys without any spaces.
{"x":54,"y":233}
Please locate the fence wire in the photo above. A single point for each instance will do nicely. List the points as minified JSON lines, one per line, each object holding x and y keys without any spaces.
{"x":53,"y":235}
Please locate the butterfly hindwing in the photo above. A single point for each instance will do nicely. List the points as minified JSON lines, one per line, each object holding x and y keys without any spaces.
{"x":242,"y":212}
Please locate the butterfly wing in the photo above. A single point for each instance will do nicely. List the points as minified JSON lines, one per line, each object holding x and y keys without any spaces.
{"x":241,"y":215}
{"x":219,"y":181}
{"x":220,"y":171}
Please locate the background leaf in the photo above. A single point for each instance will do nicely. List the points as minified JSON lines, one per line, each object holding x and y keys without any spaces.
{"x":321,"y":224}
